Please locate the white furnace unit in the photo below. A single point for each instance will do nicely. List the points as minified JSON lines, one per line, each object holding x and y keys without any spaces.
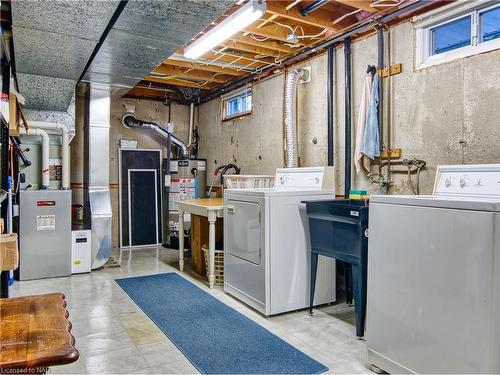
{"x":81,"y":251}
{"x":434,"y":276}
{"x":266,"y":242}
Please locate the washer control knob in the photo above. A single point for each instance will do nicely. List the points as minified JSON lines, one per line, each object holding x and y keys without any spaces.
{"x":447,"y":182}
{"x":462,"y":182}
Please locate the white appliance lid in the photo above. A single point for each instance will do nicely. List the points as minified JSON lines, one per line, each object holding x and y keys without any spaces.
{"x":278,"y":192}
{"x":453,"y":202}
{"x":468,"y":187}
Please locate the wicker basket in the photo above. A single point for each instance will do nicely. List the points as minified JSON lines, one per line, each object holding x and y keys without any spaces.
{"x":218,"y":264}
{"x":9,"y":255}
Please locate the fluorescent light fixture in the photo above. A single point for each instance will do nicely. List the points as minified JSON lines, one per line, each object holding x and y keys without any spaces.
{"x":247,"y":14}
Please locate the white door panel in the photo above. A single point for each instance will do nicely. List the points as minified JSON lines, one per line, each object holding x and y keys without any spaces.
{"x":243,"y":238}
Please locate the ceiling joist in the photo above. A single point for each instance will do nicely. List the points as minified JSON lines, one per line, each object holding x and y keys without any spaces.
{"x":182,"y":73}
{"x":319,"y":18}
{"x":360,"y":4}
{"x":180,"y":82}
{"x":205,"y":67}
{"x":269,"y":44}
{"x":257,"y":50}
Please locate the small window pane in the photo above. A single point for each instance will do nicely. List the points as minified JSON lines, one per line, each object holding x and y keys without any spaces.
{"x":450,"y":36}
{"x":239,"y":104}
{"x":490,"y":24}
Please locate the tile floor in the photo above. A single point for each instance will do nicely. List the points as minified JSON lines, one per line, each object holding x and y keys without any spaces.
{"x":114,"y":336}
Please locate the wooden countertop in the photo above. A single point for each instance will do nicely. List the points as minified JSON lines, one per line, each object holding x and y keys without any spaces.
{"x":35,"y":332}
{"x":210,"y":203}
{"x":202,"y":206}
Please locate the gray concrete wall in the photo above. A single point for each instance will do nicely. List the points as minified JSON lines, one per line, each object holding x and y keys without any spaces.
{"x":446,"y":114}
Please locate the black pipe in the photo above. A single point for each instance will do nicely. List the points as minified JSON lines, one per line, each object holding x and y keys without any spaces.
{"x":347,"y":101}
{"x":308,"y":9}
{"x":107,"y":30}
{"x":237,"y":170}
{"x":380,"y":66}
{"x":329,"y":106}
{"x":20,"y":152}
{"x":365,"y":25}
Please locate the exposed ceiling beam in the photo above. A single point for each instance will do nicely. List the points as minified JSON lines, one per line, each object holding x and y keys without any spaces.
{"x":257,"y":50}
{"x":182,"y":73}
{"x":243,"y":59}
{"x":272,"y":31}
{"x":319,"y":18}
{"x":360,"y":4}
{"x":179,"y":82}
{"x":205,"y":67}
{"x":265,"y":44}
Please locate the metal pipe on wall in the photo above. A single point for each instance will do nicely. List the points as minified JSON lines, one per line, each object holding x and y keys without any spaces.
{"x":380,"y":66}
{"x":45,"y":153}
{"x":65,"y":184}
{"x":347,"y":118}
{"x":329,"y":108}
{"x":191,"y":124}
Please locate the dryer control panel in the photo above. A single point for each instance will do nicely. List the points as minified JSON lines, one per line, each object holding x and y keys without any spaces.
{"x":316,"y":178}
{"x":478,"y":180}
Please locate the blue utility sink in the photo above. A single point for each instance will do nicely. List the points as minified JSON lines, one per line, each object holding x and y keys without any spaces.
{"x":339,"y":229}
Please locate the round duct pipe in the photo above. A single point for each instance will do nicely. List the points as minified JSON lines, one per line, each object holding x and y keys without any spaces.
{"x":131,"y":122}
{"x":290,"y":132}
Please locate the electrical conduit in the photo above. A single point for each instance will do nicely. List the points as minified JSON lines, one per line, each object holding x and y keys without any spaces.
{"x":290,"y":135}
{"x":191,"y":124}
{"x":45,"y":153}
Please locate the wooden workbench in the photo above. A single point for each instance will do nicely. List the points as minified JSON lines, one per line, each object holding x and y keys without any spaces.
{"x":212,"y":208}
{"x":35,"y":334}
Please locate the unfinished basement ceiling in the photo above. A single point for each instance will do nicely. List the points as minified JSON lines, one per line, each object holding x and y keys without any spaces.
{"x":281,"y":33}
{"x":145,"y":34}
{"x":53,"y":41}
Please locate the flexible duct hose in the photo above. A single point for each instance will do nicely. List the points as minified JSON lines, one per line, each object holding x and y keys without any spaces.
{"x":289,"y":112}
{"x":130,"y":121}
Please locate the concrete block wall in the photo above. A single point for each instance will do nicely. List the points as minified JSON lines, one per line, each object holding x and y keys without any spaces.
{"x":446,"y":114}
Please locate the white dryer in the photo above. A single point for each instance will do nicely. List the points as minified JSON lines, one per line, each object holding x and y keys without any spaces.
{"x":266,"y":242}
{"x":434,"y":276}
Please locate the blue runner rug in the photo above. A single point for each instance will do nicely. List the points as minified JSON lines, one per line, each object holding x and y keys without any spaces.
{"x":215,"y":338}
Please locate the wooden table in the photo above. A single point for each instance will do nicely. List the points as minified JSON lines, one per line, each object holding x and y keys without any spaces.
{"x":35,"y":333}
{"x":212,"y":208}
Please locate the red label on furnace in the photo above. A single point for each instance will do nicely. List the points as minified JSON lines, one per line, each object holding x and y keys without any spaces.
{"x":46,"y":203}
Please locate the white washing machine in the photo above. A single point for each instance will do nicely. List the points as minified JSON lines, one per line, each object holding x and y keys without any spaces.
{"x":266,"y":242}
{"x":434,"y":276}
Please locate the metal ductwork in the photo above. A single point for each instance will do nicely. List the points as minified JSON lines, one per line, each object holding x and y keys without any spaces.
{"x":289,"y":111}
{"x":130,"y":121}
{"x":96,"y":177}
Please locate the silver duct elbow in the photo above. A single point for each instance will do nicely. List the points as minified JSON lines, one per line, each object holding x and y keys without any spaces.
{"x":289,"y":113}
{"x":130,"y":121}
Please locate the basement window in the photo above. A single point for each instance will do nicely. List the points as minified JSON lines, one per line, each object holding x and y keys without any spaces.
{"x":460,"y":30}
{"x":237,"y":103}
